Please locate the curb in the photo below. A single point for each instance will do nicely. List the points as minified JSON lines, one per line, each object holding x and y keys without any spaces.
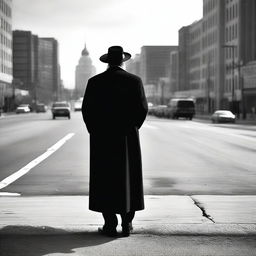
{"x":158,"y":230}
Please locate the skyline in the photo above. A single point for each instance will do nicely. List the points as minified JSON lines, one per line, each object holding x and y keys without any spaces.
{"x":105,"y":24}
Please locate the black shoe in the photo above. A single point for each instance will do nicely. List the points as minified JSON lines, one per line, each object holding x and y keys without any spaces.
{"x":127,"y":229}
{"x":107,"y":232}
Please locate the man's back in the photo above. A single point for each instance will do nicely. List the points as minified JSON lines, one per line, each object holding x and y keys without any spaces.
{"x":115,"y":101}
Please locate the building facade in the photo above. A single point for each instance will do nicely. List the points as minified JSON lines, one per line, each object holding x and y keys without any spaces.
{"x":133,"y":65}
{"x":155,"y":63}
{"x":183,"y":54}
{"x":6,"y":89}
{"x":174,"y":72}
{"x":36,"y":67}
{"x":212,"y":53}
{"x":240,"y":37}
{"x":84,"y":70}
{"x":49,"y":83}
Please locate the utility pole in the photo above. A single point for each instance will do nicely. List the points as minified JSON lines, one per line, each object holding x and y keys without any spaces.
{"x":241,"y":86}
{"x":232,"y":47}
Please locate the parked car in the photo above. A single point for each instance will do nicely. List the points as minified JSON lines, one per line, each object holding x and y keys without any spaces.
{"x":61,"y":109}
{"x":181,"y":108}
{"x":159,"y":110}
{"x":78,"y":105}
{"x":40,"y":107}
{"x":23,"y":108}
{"x":223,"y":116}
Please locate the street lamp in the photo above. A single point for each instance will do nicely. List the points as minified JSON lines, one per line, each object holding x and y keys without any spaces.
{"x":232,"y":47}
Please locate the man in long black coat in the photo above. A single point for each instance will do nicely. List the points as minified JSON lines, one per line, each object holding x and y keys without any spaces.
{"x":114,"y":108}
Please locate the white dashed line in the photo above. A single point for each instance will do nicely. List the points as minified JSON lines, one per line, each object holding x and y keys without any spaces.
{"x":7,"y":181}
{"x":9,"y":194}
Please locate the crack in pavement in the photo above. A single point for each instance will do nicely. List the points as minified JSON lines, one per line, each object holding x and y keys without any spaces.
{"x":204,"y":213}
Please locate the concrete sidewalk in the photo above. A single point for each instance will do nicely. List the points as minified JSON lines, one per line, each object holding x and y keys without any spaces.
{"x":166,"y":215}
{"x":170,"y":225}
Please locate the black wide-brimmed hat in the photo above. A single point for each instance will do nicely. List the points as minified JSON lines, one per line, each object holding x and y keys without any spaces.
{"x":115,"y":55}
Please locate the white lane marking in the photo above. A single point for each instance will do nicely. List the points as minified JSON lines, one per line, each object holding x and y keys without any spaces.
{"x":7,"y":181}
{"x":9,"y":194}
{"x":149,"y":126}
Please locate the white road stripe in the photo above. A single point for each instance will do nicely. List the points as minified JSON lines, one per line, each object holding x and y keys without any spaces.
{"x":7,"y":181}
{"x":9,"y":194}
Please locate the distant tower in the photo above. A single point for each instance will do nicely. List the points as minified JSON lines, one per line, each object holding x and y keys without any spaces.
{"x":84,"y":70}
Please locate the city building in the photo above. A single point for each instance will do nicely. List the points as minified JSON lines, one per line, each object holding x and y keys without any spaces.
{"x":155,"y":63}
{"x":36,"y":67}
{"x":240,"y":52}
{"x":183,"y":56}
{"x":49,"y":84}
{"x":133,"y":65}
{"x":84,"y":70}
{"x":174,"y":72}
{"x":155,"y":66}
{"x":214,"y":54}
{"x":6,"y":89}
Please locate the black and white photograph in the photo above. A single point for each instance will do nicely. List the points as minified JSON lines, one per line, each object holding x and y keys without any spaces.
{"x":128,"y":127}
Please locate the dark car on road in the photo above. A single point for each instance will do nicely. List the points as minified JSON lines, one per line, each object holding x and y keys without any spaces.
{"x":61,"y":109}
{"x":40,"y":107}
{"x":181,"y":108}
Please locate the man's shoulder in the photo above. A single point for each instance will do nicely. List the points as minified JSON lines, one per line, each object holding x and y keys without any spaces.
{"x":131,"y":76}
{"x":121,"y":73}
{"x":97,"y":78}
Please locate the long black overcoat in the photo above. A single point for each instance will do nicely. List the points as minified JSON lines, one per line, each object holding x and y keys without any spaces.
{"x":114,"y":108}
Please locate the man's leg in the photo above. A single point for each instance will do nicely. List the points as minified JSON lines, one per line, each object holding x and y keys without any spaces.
{"x":127,"y":219}
{"x":109,"y":228}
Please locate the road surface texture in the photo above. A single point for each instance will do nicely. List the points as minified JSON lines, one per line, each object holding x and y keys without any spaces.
{"x":199,"y":182}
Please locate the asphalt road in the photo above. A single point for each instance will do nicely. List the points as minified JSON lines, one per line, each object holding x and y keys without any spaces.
{"x":179,"y":156}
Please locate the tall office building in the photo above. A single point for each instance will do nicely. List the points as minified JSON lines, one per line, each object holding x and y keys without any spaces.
{"x":183,"y":54}
{"x":155,"y":69}
{"x":212,"y":53}
{"x":133,"y":65}
{"x":36,"y":66}
{"x":84,"y":70}
{"x":49,"y":84}
{"x":240,"y":41}
{"x":174,"y":71}
{"x":155,"y":63}
{"x":6,"y":90}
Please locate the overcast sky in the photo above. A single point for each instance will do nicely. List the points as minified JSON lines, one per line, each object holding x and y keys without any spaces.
{"x":102,"y":23}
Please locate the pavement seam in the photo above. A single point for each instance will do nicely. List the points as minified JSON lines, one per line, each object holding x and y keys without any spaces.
{"x":203,"y":210}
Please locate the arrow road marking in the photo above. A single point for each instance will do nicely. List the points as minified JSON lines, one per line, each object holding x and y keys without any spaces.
{"x":7,"y":181}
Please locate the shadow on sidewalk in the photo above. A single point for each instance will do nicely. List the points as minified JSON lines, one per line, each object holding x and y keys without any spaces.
{"x":38,"y":241}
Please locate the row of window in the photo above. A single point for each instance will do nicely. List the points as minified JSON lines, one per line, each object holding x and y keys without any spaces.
{"x":195,"y":48}
{"x":210,"y":39}
{"x":6,"y":26}
{"x":210,"y":22}
{"x":6,"y":70}
{"x":231,"y":32}
{"x":209,"y":5}
{"x":5,"y":8}
{"x":5,"y":56}
{"x":229,"y":84}
{"x":195,"y":34}
{"x":5,"y":41}
{"x":229,"y":53}
{"x":232,"y":12}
